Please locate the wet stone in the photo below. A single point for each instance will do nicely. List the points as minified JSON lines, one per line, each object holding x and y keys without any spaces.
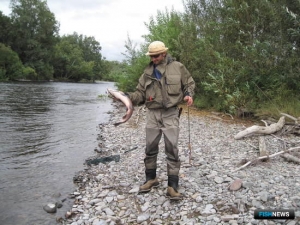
{"x":50,"y":208}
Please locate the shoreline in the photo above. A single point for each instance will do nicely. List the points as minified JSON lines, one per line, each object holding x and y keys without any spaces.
{"x":108,"y":193}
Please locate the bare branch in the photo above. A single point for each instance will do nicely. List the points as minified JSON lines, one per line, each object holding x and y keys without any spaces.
{"x":265,"y":157}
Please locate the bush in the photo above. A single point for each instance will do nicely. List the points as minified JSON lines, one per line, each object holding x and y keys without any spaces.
{"x":29,"y":73}
{"x":10,"y":65}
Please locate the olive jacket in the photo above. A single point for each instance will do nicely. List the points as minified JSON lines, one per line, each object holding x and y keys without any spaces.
{"x":176,"y":82}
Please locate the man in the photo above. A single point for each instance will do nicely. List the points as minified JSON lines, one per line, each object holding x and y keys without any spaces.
{"x":163,"y":85}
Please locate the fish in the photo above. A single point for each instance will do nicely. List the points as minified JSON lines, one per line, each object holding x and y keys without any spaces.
{"x":120,"y":96}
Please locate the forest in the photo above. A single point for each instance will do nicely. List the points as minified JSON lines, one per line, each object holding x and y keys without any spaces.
{"x":243,"y":54}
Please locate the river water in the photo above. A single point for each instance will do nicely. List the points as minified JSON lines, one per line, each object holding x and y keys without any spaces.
{"x":47,"y":130}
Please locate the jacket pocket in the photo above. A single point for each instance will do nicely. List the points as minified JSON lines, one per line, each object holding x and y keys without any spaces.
{"x":173,"y":85}
{"x":150,"y":91}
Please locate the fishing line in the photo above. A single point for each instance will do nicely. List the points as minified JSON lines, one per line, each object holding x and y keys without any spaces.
{"x":189,"y":131}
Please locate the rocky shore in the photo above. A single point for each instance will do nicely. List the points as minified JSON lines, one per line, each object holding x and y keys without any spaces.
{"x":108,"y":192}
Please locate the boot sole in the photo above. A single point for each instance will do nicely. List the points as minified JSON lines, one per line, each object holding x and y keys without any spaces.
{"x":173,"y":198}
{"x":148,"y":190}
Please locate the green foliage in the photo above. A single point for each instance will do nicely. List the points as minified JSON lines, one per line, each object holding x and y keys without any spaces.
{"x":116,"y":70}
{"x":103,"y":97}
{"x":32,"y":32}
{"x":243,"y":51}
{"x":128,"y":81}
{"x":166,"y":27}
{"x":131,"y":53}
{"x":6,"y":29}
{"x":91,"y":53}
{"x":10,"y":65}
{"x":285,"y":102}
{"x":34,"y":35}
{"x":135,"y":63}
{"x":77,"y":57}
{"x":29,"y":73}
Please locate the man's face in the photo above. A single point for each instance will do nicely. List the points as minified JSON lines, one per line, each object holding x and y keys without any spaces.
{"x":156,"y":59}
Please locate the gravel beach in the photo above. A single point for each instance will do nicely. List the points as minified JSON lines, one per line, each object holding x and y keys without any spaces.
{"x":214,"y":192}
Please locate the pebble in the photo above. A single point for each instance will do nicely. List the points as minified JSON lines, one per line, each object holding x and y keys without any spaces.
{"x":236,"y":185}
{"x":50,"y":208}
{"x":214,"y":192}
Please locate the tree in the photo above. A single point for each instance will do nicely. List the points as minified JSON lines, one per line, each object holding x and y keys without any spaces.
{"x":242,"y":51}
{"x":35,"y":34}
{"x":11,"y":67}
{"x":78,"y":57}
{"x":69,"y":61}
{"x":6,"y":29}
{"x":165,"y":27}
{"x":131,"y":52}
{"x":91,"y":53}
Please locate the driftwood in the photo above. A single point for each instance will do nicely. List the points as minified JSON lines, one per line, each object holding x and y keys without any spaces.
{"x":291,"y":158}
{"x":266,"y":157}
{"x":297,"y":120}
{"x":262,"y":130}
{"x":270,"y":129}
{"x":262,"y":147}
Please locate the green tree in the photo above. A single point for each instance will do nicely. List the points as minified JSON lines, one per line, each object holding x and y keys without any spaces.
{"x":35,"y":32}
{"x":91,"y":53}
{"x":242,"y":52}
{"x":81,"y":53}
{"x":132,"y":67}
{"x":115,"y":70}
{"x":6,"y":29}
{"x":165,"y":27}
{"x":69,"y":61}
{"x":131,"y":52}
{"x":11,"y":67}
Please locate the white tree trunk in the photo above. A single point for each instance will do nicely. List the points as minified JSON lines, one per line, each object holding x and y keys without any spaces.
{"x":262,"y":130}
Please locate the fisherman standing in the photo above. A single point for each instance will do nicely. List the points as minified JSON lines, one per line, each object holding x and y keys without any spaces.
{"x":164,"y":84}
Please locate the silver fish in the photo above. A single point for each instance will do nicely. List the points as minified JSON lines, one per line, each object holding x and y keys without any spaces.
{"x":119,"y":95}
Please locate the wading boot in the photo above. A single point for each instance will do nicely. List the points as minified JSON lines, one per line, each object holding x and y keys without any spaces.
{"x":151,"y":181}
{"x":172,"y":192}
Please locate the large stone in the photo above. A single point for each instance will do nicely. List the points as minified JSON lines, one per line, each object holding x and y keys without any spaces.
{"x":59,"y":204}
{"x":218,"y":180}
{"x":50,"y":208}
{"x":264,"y":196}
{"x":109,"y":212}
{"x":143,"y":217}
{"x":236,"y":185}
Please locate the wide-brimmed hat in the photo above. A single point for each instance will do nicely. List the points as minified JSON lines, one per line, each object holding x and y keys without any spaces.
{"x":156,"y":47}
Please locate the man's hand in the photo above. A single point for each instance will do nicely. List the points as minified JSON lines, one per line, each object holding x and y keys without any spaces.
{"x":189,"y":100}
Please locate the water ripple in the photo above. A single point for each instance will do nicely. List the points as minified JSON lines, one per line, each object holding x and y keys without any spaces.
{"x":47,"y":130}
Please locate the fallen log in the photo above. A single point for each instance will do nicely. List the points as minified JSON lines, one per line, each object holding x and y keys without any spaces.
{"x":265,"y":157}
{"x":262,"y":130}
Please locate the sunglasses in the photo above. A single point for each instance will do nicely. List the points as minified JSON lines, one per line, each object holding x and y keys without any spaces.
{"x":154,"y":56}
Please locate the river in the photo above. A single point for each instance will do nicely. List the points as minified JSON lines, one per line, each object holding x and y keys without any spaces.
{"x":47,"y":130}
